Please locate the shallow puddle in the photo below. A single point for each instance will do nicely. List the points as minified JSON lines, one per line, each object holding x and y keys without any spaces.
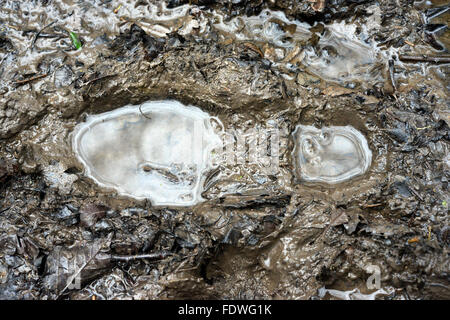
{"x":330,"y":155}
{"x":340,"y":55}
{"x":269,"y":26}
{"x":354,"y":294}
{"x":159,"y":150}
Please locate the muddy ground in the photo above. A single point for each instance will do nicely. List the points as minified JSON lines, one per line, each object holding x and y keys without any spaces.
{"x":257,"y":236}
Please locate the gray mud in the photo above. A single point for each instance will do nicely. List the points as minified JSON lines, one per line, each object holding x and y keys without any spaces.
{"x":257,"y":235}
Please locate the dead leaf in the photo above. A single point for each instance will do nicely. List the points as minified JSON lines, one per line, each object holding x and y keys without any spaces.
{"x":338,"y":217}
{"x":26,"y":246}
{"x":90,"y":213}
{"x":254,"y":48}
{"x":352,"y":223}
{"x":72,"y":267}
{"x":334,"y":91}
{"x":226,"y":42}
{"x":317,"y":5}
{"x":292,"y":54}
{"x":369,"y":99}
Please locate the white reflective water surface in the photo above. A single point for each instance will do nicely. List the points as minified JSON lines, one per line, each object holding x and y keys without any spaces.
{"x":330,"y":154}
{"x":159,"y":151}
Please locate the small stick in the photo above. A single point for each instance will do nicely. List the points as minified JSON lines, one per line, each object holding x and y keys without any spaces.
{"x":39,"y":32}
{"x":393,"y":116}
{"x":391,"y":74}
{"x":5,"y":209}
{"x":156,"y":255}
{"x":372,"y":205}
{"x":31,"y":79}
{"x":3,"y":59}
{"x":425,"y":58}
{"x":99,"y":78}
{"x":416,"y":194}
{"x":143,"y":114}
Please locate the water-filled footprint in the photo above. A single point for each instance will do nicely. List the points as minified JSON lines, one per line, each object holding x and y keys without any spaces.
{"x":330,"y":155}
{"x":159,"y":151}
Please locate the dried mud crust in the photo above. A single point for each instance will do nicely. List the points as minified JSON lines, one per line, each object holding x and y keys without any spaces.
{"x":266,"y":239}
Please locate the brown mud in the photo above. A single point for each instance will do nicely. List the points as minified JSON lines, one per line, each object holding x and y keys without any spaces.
{"x":257,"y":236}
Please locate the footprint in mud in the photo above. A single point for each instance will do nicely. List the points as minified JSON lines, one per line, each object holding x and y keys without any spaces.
{"x":163,"y":151}
{"x":331,"y":154}
{"x":159,"y":150}
{"x":341,"y":57}
{"x":340,"y":54}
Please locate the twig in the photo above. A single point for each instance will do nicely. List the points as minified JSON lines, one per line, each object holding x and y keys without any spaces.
{"x":211,"y":224}
{"x":3,"y":59}
{"x":372,"y":205}
{"x":393,"y":116}
{"x":425,"y":58}
{"x":156,"y":255}
{"x":186,"y":259}
{"x":226,"y":224}
{"x":416,"y":194}
{"x":99,"y":78}
{"x":143,"y":114}
{"x":19,"y":82}
{"x":4,"y":210}
{"x":391,"y":74}
{"x":39,"y":32}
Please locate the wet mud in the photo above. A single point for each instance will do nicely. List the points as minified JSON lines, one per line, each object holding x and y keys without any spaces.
{"x":379,"y":67}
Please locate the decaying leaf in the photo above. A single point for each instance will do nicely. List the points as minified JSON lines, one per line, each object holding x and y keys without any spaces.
{"x":7,"y":169}
{"x":73,"y":267}
{"x":338,"y":217}
{"x":26,"y":247}
{"x":294,"y":53}
{"x":352,"y":223}
{"x":334,"y":91}
{"x":369,"y":99}
{"x":317,"y":5}
{"x":254,"y":48}
{"x":90,"y":213}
